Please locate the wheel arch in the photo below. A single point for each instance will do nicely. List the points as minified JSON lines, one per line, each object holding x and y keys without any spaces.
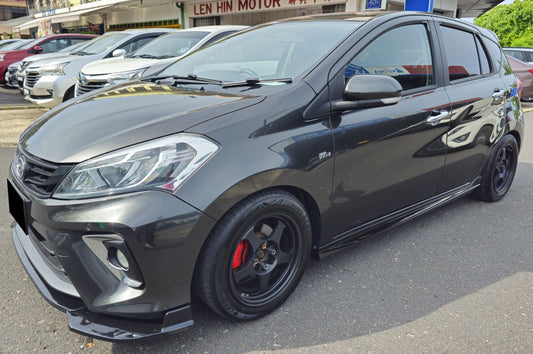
{"x":517,"y":137}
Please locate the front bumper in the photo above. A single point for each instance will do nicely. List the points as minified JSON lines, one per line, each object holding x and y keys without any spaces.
{"x":95,"y":325}
{"x":48,"y":91}
{"x":163,"y":235}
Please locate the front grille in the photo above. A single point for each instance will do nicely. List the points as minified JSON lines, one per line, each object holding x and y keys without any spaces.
{"x":88,"y":86}
{"x":32,"y":78}
{"x":41,"y":177}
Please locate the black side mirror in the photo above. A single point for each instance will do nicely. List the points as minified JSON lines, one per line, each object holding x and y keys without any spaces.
{"x":363,"y":91}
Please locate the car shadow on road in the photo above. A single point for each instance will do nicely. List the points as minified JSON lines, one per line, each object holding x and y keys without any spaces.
{"x":382,"y":282}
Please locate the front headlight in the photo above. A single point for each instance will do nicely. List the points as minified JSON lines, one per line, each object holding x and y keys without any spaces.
{"x":164,"y":164}
{"x":52,"y":70}
{"x":120,"y":78}
{"x":2,"y":57}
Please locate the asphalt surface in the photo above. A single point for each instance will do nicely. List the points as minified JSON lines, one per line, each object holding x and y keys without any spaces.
{"x":459,"y":279}
{"x":10,"y":98}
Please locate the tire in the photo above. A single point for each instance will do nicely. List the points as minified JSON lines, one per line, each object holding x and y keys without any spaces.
{"x":255,"y":256}
{"x":500,"y":171}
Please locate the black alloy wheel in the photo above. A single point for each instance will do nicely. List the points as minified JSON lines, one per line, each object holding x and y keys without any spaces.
{"x":255,"y":257}
{"x":500,"y":171}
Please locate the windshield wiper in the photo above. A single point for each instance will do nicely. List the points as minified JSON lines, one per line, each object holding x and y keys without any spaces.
{"x":254,"y":81}
{"x":81,"y":53}
{"x":145,"y":56}
{"x":184,"y":79}
{"x":193,"y":77}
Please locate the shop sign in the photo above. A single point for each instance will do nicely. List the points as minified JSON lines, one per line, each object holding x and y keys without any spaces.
{"x":223,"y":7}
{"x":375,"y":4}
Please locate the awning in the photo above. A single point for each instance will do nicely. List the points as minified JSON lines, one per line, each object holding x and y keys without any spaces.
{"x":74,"y":15}
{"x":32,"y":23}
{"x":18,"y":21}
{"x":59,"y":18}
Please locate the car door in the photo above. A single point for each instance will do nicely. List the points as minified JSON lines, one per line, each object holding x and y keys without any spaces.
{"x":391,"y":157}
{"x":478,"y":95}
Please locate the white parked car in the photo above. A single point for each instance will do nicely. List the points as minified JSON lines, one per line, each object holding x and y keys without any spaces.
{"x":167,"y":48}
{"x":50,"y":82}
{"x":17,"y":72}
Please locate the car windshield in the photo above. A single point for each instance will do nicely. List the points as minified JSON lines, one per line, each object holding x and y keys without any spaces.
{"x":280,"y":50}
{"x":14,"y":45}
{"x":31,"y":43}
{"x":102,"y":44}
{"x":74,"y":47}
{"x":170,"y":45}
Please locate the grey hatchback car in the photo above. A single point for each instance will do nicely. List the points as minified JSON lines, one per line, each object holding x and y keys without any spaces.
{"x":223,"y":173}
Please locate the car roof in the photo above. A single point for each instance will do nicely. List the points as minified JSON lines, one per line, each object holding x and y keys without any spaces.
{"x":519,"y":48}
{"x":148,"y":30}
{"x":386,"y":15}
{"x":215,"y":28}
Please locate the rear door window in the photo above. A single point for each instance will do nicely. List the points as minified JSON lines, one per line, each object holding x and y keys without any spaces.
{"x":461,"y":53}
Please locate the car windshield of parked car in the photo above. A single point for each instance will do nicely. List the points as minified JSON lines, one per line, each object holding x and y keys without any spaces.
{"x":14,"y":45}
{"x":170,"y":45}
{"x":31,"y":44}
{"x":281,"y":50}
{"x":74,"y":47}
{"x":102,"y":44}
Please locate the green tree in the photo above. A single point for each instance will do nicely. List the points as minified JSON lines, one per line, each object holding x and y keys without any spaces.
{"x":512,"y":23}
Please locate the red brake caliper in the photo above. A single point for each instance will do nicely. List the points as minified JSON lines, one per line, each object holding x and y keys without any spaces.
{"x":239,"y":258}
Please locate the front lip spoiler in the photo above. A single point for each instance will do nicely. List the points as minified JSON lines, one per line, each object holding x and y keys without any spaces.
{"x":109,"y":328}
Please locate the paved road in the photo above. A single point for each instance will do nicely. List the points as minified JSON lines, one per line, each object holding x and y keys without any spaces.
{"x":459,"y":279}
{"x":12,"y":98}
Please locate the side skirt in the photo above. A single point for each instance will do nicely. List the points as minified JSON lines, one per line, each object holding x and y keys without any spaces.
{"x":394,"y":219}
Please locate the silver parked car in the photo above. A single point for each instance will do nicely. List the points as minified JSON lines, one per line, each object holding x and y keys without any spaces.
{"x":21,"y":73}
{"x":50,"y":82}
{"x":166,"y":48}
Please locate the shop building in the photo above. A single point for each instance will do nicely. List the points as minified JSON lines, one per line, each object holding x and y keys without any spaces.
{"x":84,"y":16}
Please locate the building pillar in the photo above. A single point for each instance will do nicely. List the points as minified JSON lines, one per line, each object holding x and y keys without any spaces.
{"x":352,"y":5}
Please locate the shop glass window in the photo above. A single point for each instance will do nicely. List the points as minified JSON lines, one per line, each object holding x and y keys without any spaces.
{"x":461,"y":53}
{"x":403,"y":53}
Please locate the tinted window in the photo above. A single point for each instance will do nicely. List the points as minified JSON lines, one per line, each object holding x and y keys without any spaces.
{"x":217,"y":37}
{"x":461,"y":53}
{"x":137,"y":43}
{"x":484,"y":61}
{"x":495,"y":53}
{"x":54,"y":45}
{"x":408,"y":61}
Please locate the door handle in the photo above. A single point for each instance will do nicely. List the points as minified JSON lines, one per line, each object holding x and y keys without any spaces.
{"x":497,"y":94}
{"x":435,"y":119}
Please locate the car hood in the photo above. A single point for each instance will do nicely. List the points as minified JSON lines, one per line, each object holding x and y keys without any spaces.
{"x":116,"y":65}
{"x":128,"y":114}
{"x":46,"y":56}
{"x":64,"y":59}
